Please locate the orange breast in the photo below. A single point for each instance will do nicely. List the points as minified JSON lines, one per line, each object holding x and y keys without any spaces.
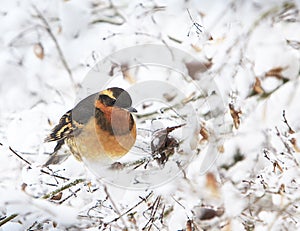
{"x":95,"y":143}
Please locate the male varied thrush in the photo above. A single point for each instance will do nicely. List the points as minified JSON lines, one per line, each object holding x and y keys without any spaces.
{"x":100,"y":128}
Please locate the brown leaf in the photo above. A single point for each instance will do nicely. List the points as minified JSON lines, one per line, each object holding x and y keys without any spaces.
{"x":257,"y":86}
{"x":147,"y":104}
{"x":204,"y":133}
{"x":163,"y":145}
{"x":57,"y":197}
{"x":23,"y":186}
{"x":112,"y":69}
{"x":38,"y":50}
{"x":195,"y":68}
{"x":189,"y":225}
{"x":116,"y":166}
{"x":221,"y":148}
{"x":235,"y":114}
{"x":210,"y":213}
{"x":169,"y":96}
{"x":126,"y":73}
{"x":281,"y":190}
{"x":276,"y":72}
{"x":131,"y":218}
{"x":276,"y":165}
{"x":212,"y":184}
{"x":294,"y":143}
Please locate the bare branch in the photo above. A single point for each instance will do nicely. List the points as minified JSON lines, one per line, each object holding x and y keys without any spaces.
{"x":75,"y":182}
{"x":59,"y":50}
{"x":8,"y":219}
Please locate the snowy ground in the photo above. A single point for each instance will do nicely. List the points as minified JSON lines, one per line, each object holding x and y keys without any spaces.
{"x":247,"y":68}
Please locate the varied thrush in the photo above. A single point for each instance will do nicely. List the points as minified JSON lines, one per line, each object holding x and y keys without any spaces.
{"x":100,"y":128}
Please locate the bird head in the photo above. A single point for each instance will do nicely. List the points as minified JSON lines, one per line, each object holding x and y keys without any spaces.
{"x":117,"y":97}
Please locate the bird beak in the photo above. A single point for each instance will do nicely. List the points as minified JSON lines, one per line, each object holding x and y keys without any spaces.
{"x":131,"y":109}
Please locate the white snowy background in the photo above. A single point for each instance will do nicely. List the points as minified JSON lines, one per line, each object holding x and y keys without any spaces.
{"x":252,"y":51}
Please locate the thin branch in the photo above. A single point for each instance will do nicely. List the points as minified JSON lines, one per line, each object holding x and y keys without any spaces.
{"x":115,"y":207}
{"x":59,"y":50}
{"x":132,"y":208}
{"x":54,"y":175}
{"x":68,"y":197}
{"x":19,"y":156}
{"x":28,"y":163}
{"x":75,"y":182}
{"x":177,"y":105}
{"x":154,"y":208}
{"x":7,"y":219}
{"x":291,"y":131}
{"x":107,"y":21}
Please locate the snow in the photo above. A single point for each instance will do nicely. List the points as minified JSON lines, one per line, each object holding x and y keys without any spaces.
{"x":251,"y":171}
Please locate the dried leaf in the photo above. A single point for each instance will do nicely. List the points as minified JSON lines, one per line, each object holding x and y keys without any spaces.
{"x":116,"y":166}
{"x":126,"y":74}
{"x":147,"y":104}
{"x":210,"y":213}
{"x":57,"y":197}
{"x":276,"y":72}
{"x":169,"y":96}
{"x":112,"y":69}
{"x":196,"y":48}
{"x":294,"y":143}
{"x":235,"y":114}
{"x":281,"y":190}
{"x":23,"y":186}
{"x":195,"y":68}
{"x":227,"y":226}
{"x":131,"y":218}
{"x":221,"y":149}
{"x":38,"y":50}
{"x":204,"y":133}
{"x":276,"y":165}
{"x":257,"y":86}
{"x":163,"y":145}
{"x":189,"y":225}
{"x":212,"y":184}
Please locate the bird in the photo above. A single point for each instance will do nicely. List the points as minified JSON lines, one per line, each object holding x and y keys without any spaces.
{"x":99,"y":129}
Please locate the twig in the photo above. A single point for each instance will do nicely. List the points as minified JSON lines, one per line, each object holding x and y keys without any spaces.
{"x":132,"y":208}
{"x":19,"y":156}
{"x":154,"y":208}
{"x":107,"y":21}
{"x":177,"y":105}
{"x":59,"y":50}
{"x":31,"y":227}
{"x":195,"y":24}
{"x":286,"y":145}
{"x":28,"y":163}
{"x":75,"y":182}
{"x":7,"y":219}
{"x":117,"y":13}
{"x":115,"y":207}
{"x":282,"y":210}
{"x":291,"y":131}
{"x":54,"y":175}
{"x":68,"y":197}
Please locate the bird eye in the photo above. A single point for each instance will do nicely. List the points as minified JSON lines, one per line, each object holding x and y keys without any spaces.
{"x":106,"y":100}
